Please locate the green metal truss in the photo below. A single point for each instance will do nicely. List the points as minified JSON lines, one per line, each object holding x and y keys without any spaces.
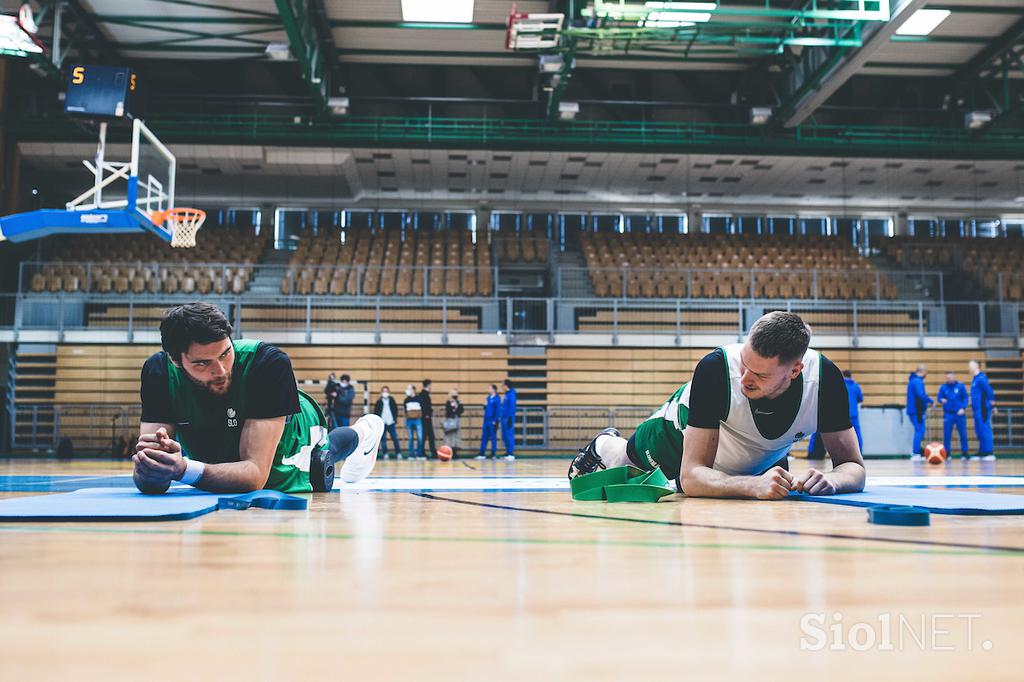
{"x":992,"y":73}
{"x":688,"y":31}
{"x":524,"y":135}
{"x":305,"y":38}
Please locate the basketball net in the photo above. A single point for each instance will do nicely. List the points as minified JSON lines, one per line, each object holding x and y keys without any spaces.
{"x":183,"y":223}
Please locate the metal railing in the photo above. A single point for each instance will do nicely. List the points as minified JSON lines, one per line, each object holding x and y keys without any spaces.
{"x":813,"y":284}
{"x":1007,"y":430}
{"x":110,"y":430}
{"x":156,"y":278}
{"x":269,"y":128}
{"x":309,"y":315}
{"x":152,"y":278}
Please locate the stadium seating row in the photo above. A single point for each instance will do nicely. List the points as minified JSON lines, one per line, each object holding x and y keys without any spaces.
{"x":680,"y":266}
{"x":527,"y":249}
{"x":381,"y":263}
{"x":994,"y":262}
{"x":143,"y":263}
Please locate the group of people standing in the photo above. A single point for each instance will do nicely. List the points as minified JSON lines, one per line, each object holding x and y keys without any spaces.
{"x":418,"y":410}
{"x":499,"y":415}
{"x":955,"y":400}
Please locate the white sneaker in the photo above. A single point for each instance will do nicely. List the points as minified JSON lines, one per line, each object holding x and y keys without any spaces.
{"x":988,"y":458}
{"x":510,"y":458}
{"x":917,"y":458}
{"x":360,"y":463}
{"x":973,"y":458}
{"x":480,"y":457}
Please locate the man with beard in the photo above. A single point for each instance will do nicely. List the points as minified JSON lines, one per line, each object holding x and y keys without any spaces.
{"x":739,"y":417}
{"x":227,"y":416}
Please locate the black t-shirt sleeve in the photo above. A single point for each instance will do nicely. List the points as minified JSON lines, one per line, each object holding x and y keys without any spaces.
{"x":833,"y":402}
{"x":272,"y":390}
{"x":709,"y":392}
{"x":156,"y":392}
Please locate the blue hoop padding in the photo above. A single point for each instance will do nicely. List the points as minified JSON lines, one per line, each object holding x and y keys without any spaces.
{"x":22,"y":227}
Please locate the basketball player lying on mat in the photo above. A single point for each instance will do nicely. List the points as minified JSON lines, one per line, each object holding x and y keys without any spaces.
{"x":226,"y":416}
{"x":739,"y":416}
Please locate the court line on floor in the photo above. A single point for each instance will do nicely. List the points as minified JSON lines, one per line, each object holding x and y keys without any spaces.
{"x":486,"y":540}
{"x":710,"y":526}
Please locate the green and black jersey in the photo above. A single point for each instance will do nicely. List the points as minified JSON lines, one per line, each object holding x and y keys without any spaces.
{"x":209,"y":427}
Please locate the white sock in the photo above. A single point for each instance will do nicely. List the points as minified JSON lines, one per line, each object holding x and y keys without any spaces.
{"x":612,"y":451}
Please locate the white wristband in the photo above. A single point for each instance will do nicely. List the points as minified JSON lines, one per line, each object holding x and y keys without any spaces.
{"x":193,"y":472}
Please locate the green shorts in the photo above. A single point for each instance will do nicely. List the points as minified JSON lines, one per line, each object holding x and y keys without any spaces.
{"x":304,"y":432}
{"x":658,"y":443}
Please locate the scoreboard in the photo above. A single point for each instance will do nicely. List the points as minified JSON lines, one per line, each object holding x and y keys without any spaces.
{"x":100,"y":91}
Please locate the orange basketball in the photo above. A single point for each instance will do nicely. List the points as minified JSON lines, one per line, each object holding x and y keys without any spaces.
{"x":444,"y":453}
{"x":935,"y":453}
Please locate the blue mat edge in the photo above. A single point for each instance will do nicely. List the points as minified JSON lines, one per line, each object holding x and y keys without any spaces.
{"x":263,"y":499}
{"x":959,"y":511}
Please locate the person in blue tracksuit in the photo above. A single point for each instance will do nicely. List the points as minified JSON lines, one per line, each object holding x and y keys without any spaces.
{"x":856,"y":397}
{"x":917,"y":405}
{"x":492,"y":415}
{"x":508,"y":420}
{"x":954,"y":399}
{"x":983,"y":402}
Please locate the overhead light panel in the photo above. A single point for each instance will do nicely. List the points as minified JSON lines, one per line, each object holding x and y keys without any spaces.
{"x":438,"y":11}
{"x":677,"y":14}
{"x":922,"y":22}
{"x":674,"y":19}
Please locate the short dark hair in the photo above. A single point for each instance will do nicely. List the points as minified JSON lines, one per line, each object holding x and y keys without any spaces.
{"x":427,"y":382}
{"x":848,"y":374}
{"x":508,"y":383}
{"x":494,"y":386}
{"x":780,"y":335}
{"x":195,"y":322}
{"x":345,"y":377}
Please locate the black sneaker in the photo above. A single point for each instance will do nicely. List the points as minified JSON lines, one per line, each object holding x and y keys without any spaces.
{"x":587,"y":461}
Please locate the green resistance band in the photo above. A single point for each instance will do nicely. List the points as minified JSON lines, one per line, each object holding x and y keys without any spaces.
{"x":621,"y":484}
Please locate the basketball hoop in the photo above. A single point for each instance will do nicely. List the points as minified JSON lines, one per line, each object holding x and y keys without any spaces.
{"x":183,"y":223}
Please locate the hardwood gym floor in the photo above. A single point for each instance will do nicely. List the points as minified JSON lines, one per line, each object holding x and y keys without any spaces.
{"x":485,"y":586}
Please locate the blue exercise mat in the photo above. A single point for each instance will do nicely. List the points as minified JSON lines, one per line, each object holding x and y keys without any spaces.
{"x":123,"y":504}
{"x":935,"y":500}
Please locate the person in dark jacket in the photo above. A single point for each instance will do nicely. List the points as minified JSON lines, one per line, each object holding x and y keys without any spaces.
{"x":429,"y":446}
{"x":343,"y":402}
{"x":508,"y":420}
{"x":453,"y":409}
{"x":492,"y":415}
{"x":387,"y":409}
{"x":917,"y":406}
{"x":954,"y":399}
{"x":330,"y":394}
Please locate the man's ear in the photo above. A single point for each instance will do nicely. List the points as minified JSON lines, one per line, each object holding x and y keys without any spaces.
{"x":795,"y":372}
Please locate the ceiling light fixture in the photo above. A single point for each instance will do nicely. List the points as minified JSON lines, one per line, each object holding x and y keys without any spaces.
{"x":438,"y":11}
{"x":922,"y":22}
